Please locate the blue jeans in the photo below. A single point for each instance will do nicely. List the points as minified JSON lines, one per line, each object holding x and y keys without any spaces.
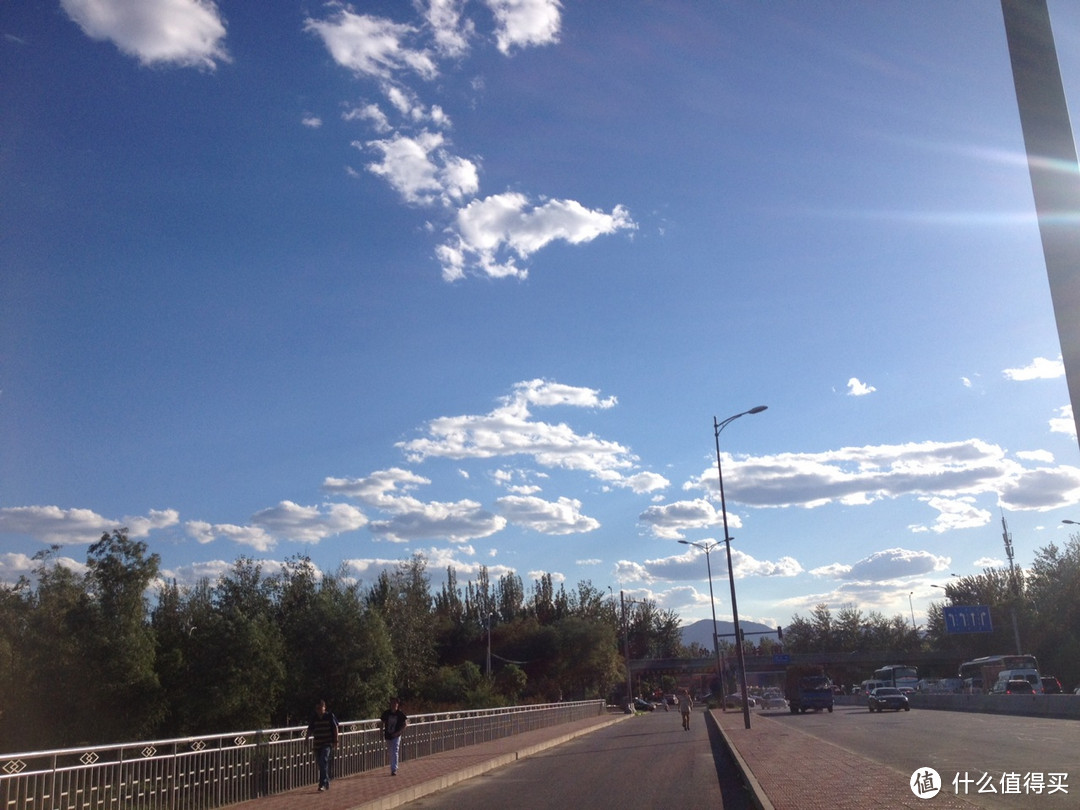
{"x":393,"y":747}
{"x":322,"y":757}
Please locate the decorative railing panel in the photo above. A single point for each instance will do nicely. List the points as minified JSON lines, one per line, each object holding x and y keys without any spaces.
{"x":200,"y":773}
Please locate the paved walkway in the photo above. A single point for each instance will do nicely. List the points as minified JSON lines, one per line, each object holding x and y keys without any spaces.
{"x":378,"y":790}
{"x":788,"y":769}
{"x":784,"y":768}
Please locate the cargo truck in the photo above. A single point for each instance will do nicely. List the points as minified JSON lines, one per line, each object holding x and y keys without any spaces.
{"x":808,"y":687}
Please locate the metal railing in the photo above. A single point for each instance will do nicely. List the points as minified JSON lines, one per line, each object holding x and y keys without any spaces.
{"x":199,"y":773}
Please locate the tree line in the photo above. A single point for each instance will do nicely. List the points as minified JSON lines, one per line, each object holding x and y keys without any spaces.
{"x":86,"y":659}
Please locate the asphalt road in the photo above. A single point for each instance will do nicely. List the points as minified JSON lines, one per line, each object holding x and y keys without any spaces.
{"x":955,"y":743}
{"x":645,"y":762}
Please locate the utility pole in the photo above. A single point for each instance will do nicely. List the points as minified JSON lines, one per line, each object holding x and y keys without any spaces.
{"x":1013,"y":583}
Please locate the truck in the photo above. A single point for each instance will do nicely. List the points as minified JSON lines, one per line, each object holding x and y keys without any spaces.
{"x":808,"y":687}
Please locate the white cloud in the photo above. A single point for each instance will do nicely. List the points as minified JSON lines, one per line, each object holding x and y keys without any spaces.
{"x":521,"y":23}
{"x":185,"y":33}
{"x":457,"y":522}
{"x":1064,"y":422}
{"x":954,"y":513}
{"x":252,"y":536}
{"x":13,"y":566}
{"x":690,"y":565}
{"x":547,"y":517}
{"x":510,"y":430}
{"x":308,"y":524}
{"x":643,"y":482}
{"x":1039,"y":369}
{"x":1044,"y":456}
{"x":383,"y":488}
{"x":671,"y":521}
{"x":492,"y":234}
{"x":422,"y":171}
{"x":451,"y":32}
{"x":372,"y":46}
{"x":1041,"y":489}
{"x":857,"y":388}
{"x":53,"y":525}
{"x":947,"y":471}
{"x":887,"y":565}
{"x":311,"y":121}
{"x":211,"y":570}
{"x":370,"y":113}
{"x":438,"y":560}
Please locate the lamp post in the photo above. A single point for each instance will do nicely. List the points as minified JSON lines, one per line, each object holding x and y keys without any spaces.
{"x":707,"y":547}
{"x":717,"y":427}
{"x":912,"y":606}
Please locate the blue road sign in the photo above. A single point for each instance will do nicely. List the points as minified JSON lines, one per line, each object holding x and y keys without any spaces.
{"x":781,"y":658}
{"x":968,"y":619}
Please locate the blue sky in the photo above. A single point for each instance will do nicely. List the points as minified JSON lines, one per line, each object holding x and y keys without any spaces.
{"x":472,"y":279}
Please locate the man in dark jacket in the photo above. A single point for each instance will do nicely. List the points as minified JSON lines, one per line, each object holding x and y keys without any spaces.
{"x":393,"y":723}
{"x":323,"y":730}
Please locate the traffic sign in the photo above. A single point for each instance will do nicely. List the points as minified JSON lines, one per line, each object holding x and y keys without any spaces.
{"x":781,"y":658}
{"x":968,"y":619}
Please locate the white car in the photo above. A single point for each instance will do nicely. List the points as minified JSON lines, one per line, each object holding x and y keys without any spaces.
{"x":773,"y":700}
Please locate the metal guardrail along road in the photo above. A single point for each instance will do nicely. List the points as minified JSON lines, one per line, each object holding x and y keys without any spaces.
{"x":200,"y":773}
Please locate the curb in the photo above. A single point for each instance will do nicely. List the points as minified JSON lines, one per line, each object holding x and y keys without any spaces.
{"x":757,"y":794}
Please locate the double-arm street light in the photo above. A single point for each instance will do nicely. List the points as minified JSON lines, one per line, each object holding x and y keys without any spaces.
{"x":717,"y":427}
{"x":707,"y":547}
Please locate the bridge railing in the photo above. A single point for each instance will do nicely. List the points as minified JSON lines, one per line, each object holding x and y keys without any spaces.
{"x":199,"y":773}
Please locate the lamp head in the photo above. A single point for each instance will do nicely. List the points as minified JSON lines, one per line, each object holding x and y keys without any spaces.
{"x":758,"y":409}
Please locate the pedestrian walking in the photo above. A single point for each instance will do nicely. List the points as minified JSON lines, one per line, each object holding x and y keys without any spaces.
{"x":686,"y":703}
{"x":323,"y":731}
{"x":393,"y":725}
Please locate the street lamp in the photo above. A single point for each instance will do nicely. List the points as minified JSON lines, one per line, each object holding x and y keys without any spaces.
{"x":1072,"y":522}
{"x":717,"y":427}
{"x":707,"y":547}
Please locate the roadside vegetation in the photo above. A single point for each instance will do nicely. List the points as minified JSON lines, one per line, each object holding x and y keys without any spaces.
{"x":91,"y":657}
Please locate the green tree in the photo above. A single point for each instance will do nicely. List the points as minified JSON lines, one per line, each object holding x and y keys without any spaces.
{"x":405,"y":604}
{"x":125,"y":698}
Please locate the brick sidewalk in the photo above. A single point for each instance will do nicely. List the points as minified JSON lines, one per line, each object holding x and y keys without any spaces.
{"x":377,"y":790}
{"x":788,"y":769}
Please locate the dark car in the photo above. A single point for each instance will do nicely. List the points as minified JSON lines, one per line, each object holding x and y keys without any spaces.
{"x":643,"y":705}
{"x":1051,"y":685}
{"x":1018,"y":686}
{"x":887,"y":697}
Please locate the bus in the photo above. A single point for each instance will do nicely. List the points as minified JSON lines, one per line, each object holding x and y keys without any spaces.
{"x":898,"y":675}
{"x":980,"y":674}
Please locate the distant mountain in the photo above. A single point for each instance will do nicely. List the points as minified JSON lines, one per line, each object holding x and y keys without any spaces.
{"x":701,"y":632}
